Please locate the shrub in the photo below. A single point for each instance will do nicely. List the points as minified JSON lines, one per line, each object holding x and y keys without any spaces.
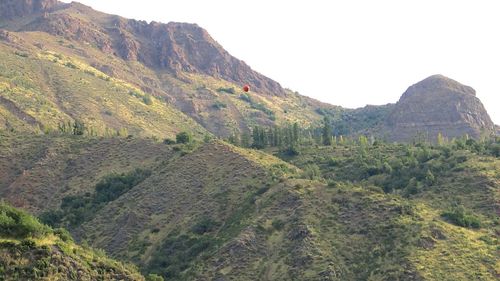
{"x":247,"y":98}
{"x":154,"y":277}
{"x":63,"y":234}
{"x":52,"y":217}
{"x":77,"y":209}
{"x":226,"y":90}
{"x":460,"y":216}
{"x":278,"y":224}
{"x":114,"y":185}
{"x":312,"y":172}
{"x":18,"y":224}
{"x":183,"y":137}
{"x":332,"y":162}
{"x":168,"y":141}
{"x":71,"y":65}
{"x":219,"y":105}
{"x":147,"y":100}
{"x":204,"y":225}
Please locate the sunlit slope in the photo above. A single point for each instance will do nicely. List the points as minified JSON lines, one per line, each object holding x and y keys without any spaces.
{"x":353,"y":211}
{"x":41,"y":90}
{"x":70,"y":64}
{"x":32,"y":251}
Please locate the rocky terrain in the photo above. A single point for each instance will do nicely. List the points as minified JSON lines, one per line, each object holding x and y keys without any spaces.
{"x":437,"y":105}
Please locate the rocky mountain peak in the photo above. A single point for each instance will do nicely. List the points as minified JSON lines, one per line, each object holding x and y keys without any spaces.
{"x":10,"y":9}
{"x":436,"y":85}
{"x":436,"y":105}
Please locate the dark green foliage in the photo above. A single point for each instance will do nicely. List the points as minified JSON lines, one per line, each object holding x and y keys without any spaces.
{"x":245,"y":97}
{"x":71,"y":65}
{"x":15,"y":223}
{"x":77,"y":209}
{"x":147,"y":100}
{"x":278,"y":224}
{"x":176,"y":254}
{"x":327,"y":131}
{"x":458,"y":215}
{"x":114,"y":185}
{"x":78,"y":128}
{"x":23,"y":55}
{"x":63,"y":234}
{"x":52,"y":217}
{"x":230,"y":90}
{"x":204,"y":225}
{"x":169,"y":141}
{"x":312,"y":172}
{"x":183,"y":137}
{"x":219,"y":105}
{"x":287,"y":138}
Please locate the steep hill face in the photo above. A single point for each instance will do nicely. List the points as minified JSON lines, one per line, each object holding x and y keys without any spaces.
{"x":72,"y":50}
{"x":438,"y":105}
{"x":32,"y":251}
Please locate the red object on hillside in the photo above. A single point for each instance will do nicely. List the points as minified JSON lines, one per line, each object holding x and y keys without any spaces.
{"x":246,"y":88}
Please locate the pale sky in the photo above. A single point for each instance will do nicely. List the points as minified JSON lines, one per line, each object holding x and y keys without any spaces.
{"x":349,"y":53}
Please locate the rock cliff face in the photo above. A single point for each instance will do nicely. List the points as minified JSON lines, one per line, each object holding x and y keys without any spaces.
{"x":174,"y":47}
{"x":187,"y":47}
{"x":10,"y":9}
{"x":438,"y":105}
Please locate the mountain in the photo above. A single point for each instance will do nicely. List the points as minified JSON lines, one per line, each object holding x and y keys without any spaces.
{"x":438,"y":105}
{"x":32,"y":251}
{"x":147,"y":78}
{"x":85,"y":98}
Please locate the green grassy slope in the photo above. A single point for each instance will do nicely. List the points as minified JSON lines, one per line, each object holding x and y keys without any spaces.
{"x":32,"y":251}
{"x":215,"y":211}
{"x":458,"y":179}
{"x":46,"y":88}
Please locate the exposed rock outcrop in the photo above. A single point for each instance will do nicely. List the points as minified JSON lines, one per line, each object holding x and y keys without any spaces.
{"x":10,"y":9}
{"x":438,"y":105}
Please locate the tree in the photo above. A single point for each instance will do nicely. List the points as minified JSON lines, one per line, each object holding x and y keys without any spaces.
{"x":183,"y":137}
{"x":440,"y":139}
{"x":327,"y":131}
{"x":78,"y":128}
{"x":296,"y":133}
{"x":245,"y":140}
{"x":233,"y":139}
{"x":256,"y":139}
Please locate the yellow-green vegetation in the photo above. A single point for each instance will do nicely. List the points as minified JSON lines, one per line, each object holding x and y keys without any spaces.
{"x":354,"y":210}
{"x":47,"y":88}
{"x":450,"y":192}
{"x":32,"y":251}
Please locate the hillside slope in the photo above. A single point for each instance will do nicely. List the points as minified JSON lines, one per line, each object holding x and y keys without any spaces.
{"x":31,"y":251}
{"x":214,"y":211}
{"x":62,"y":60}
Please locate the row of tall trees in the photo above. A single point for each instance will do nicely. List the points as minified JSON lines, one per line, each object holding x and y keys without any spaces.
{"x":288,"y":137}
